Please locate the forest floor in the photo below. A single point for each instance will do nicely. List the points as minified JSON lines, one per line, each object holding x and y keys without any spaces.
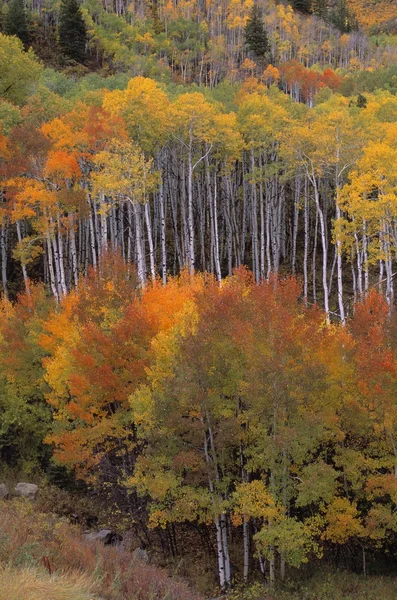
{"x":42,"y":556}
{"x":328,"y":585}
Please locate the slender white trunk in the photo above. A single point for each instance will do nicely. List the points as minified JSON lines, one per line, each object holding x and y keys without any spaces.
{"x":4,"y":231}
{"x":139,"y":245}
{"x":323,"y":234}
{"x":306,"y":246}
{"x":162,"y":234}
{"x":51,"y":267}
{"x":73,"y":251}
{"x":339,"y":273}
{"x":24,"y":271}
{"x":150,"y":241}
{"x":190,"y":212}
{"x":246,"y":541}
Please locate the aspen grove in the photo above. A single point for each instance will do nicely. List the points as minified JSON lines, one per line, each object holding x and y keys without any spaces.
{"x":185,"y":182}
{"x":234,"y":412}
{"x":198,"y":246}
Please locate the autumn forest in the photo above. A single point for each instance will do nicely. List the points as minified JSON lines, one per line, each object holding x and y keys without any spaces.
{"x":198,"y":239}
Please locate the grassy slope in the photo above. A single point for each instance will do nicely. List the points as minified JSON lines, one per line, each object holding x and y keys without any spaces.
{"x":43,"y":558}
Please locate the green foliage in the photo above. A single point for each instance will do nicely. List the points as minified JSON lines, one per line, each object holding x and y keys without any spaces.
{"x":10,"y":116}
{"x":342,"y":17}
{"x":255,"y":33}
{"x":16,"y":22}
{"x":293,"y":540}
{"x":19,"y":70}
{"x":72,"y":31}
{"x":318,"y":484}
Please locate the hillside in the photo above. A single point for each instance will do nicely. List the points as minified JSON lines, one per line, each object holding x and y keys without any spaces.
{"x":198,"y":326}
{"x":42,"y":557}
{"x":377,"y":16}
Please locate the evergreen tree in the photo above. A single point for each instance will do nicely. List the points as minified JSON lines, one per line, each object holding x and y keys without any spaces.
{"x":2,"y":16}
{"x":319,"y":8}
{"x":342,"y":17}
{"x":303,"y":6}
{"x":16,"y":22}
{"x":157,"y":24}
{"x":255,"y":33}
{"x":361,"y":101}
{"x":72,"y":31}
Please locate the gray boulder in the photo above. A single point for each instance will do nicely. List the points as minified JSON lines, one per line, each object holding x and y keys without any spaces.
{"x":108,"y":537}
{"x":3,"y":491}
{"x":27,"y":490}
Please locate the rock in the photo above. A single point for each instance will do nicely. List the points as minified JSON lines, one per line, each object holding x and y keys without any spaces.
{"x":106,"y":536}
{"x":27,"y":490}
{"x":141,"y":554}
{"x":3,"y":491}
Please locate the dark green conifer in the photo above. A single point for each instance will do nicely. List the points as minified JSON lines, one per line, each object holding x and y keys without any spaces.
{"x":255,"y":33}
{"x":72,"y":31}
{"x":319,"y":8}
{"x":16,"y":22}
{"x":158,"y":26}
{"x":342,"y":17}
{"x":361,"y":101}
{"x":303,"y":6}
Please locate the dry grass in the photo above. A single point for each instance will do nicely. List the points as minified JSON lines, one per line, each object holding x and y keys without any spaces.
{"x":31,"y":542}
{"x":30,"y":584}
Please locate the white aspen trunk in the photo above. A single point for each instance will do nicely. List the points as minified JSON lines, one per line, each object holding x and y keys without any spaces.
{"x":262,"y":232}
{"x":365,"y":259}
{"x":244,"y":218}
{"x":56,"y":262}
{"x":339,"y":276}
{"x":268,"y":255}
{"x":221,"y":560}
{"x":254,"y":221}
{"x":51,"y":267}
{"x":92,"y":239}
{"x":306,"y":246}
{"x":216,"y":234}
{"x":97,"y":230}
{"x":246,"y":542}
{"x":163,"y":234}
{"x":354,"y":279}
{"x":380,"y":278}
{"x":139,"y":246}
{"x":324,"y":248}
{"x":3,"y":241}
{"x":185,"y":236}
{"x":314,"y":283}
{"x":228,"y":574}
{"x":73,"y":251}
{"x":62,"y":277}
{"x":219,"y":540}
{"x":190,"y":211}
{"x":85,"y":258}
{"x":150,"y":241}
{"x":130,"y":237}
{"x":296,"y":223}
{"x":225,"y":546}
{"x":272,"y":567}
{"x":359,"y":268}
{"x":24,"y":271}
{"x":104,"y":222}
{"x":212,"y":198}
